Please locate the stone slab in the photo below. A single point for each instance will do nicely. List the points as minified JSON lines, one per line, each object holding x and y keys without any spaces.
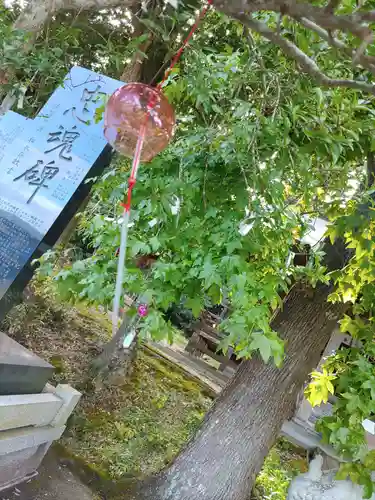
{"x":70,"y":398}
{"x":29,"y":409}
{"x":43,"y":162}
{"x":21,"y":371}
{"x":55,"y":481}
{"x":15,"y":482}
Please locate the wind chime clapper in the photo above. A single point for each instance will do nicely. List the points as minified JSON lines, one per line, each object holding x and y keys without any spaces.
{"x":139,"y":123}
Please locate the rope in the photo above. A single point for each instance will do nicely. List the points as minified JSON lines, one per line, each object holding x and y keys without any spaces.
{"x":134,"y":171}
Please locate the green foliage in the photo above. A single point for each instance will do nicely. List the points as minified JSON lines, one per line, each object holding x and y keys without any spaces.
{"x":319,"y":390}
{"x":223,"y":205}
{"x":280,"y":466}
{"x":248,"y":155}
{"x":33,"y":65}
{"x":31,"y":76}
{"x":352,"y":369}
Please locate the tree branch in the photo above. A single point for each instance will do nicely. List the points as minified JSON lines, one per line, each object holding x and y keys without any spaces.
{"x":322,"y":20}
{"x":305,"y":62}
{"x":367,"y":62}
{"x":349,"y":23}
{"x":332,"y":6}
{"x":38,"y":12}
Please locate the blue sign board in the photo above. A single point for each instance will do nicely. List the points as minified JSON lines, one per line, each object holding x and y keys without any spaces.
{"x":42,"y":163}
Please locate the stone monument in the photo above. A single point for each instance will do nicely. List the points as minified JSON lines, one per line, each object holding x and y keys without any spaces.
{"x":45,"y":163}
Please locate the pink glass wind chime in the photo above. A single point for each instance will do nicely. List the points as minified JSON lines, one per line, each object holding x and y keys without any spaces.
{"x":139,"y":123}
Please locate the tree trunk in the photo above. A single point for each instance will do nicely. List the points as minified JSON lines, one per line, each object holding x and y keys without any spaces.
{"x":114,"y":364}
{"x":227,"y":453}
{"x":133,"y":71}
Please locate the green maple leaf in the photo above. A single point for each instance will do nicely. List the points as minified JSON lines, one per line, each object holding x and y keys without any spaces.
{"x":261,"y":343}
{"x":196,"y":305}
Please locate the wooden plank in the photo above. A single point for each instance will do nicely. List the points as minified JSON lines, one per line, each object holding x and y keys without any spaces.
{"x":213,"y":316}
{"x":26,"y":410}
{"x":214,"y":331}
{"x":215,"y":340}
{"x":218,"y":357}
{"x":199,"y":371}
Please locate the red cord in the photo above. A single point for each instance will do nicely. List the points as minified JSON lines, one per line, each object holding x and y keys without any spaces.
{"x":183,"y":46}
{"x":153,"y":101}
{"x":131,"y":184}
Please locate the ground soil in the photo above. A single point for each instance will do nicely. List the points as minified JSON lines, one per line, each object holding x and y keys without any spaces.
{"x":54,"y":482}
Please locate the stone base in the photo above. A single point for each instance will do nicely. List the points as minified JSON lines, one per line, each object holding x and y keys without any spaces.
{"x":16,"y":482}
{"x":21,"y":465}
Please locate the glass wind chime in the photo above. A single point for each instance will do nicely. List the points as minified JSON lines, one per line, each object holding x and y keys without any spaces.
{"x":139,"y":123}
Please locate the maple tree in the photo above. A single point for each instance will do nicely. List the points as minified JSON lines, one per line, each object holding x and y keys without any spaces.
{"x":266,"y":143}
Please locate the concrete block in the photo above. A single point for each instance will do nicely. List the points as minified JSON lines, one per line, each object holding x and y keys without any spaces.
{"x":304,"y":411}
{"x":21,"y":371}
{"x":299,"y":434}
{"x":19,"y":480}
{"x":18,"y":465}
